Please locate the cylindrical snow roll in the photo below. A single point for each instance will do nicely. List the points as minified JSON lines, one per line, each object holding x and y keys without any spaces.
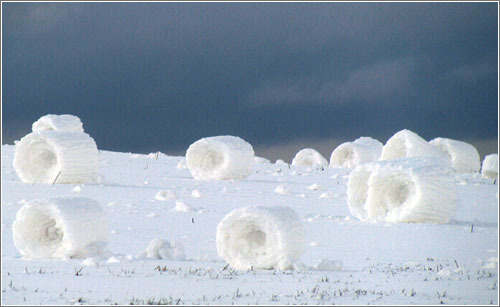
{"x":407,"y":144}
{"x":53,"y":156}
{"x":64,"y":123}
{"x":463,"y":157}
{"x":411,"y":190}
{"x":351,"y":154}
{"x":65,"y":227}
{"x":261,"y":238}
{"x":490,"y":166}
{"x":310,"y":158}
{"x":220,"y":157}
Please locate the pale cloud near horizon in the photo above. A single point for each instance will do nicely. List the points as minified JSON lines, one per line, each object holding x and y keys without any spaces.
{"x":380,"y":82}
{"x":471,"y":73}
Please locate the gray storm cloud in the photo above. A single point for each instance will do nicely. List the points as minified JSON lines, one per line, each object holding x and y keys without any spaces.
{"x":272,"y":73}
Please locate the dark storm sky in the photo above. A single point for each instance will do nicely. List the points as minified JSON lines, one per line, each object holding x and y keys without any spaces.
{"x":145,"y":77}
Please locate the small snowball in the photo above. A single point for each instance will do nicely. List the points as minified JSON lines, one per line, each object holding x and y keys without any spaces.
{"x":182,"y":164}
{"x":113,"y":260}
{"x":314,"y":187}
{"x":196,"y":193}
{"x":91,"y":261}
{"x":76,"y":189}
{"x":163,"y":249}
{"x":328,"y":265}
{"x":281,"y":190}
{"x":326,"y":195}
{"x":181,"y":206}
{"x":165,"y":195}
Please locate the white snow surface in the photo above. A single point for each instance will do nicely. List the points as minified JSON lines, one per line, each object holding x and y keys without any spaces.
{"x":490,"y":166}
{"x":220,"y":157}
{"x":350,"y":154}
{"x":56,"y":157}
{"x":407,"y":144}
{"x":63,"y":122}
{"x":366,"y":263}
{"x":309,"y":157}
{"x":464,"y":157}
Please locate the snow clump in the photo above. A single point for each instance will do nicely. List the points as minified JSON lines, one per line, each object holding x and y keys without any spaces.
{"x":66,"y":227}
{"x":328,"y":265}
{"x":490,"y":166}
{"x":351,"y":154}
{"x":407,"y":144}
{"x":463,"y":157}
{"x":56,"y":157}
{"x":63,"y":122}
{"x":163,"y":249}
{"x":261,"y":238}
{"x":220,"y":157}
{"x":412,"y":190}
{"x":311,"y":158}
{"x":165,"y":195}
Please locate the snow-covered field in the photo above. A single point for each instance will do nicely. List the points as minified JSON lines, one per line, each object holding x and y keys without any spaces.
{"x":346,"y":261}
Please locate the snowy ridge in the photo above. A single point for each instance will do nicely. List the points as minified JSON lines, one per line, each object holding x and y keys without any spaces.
{"x":351,"y":154}
{"x":261,"y":238}
{"x":64,"y":123}
{"x":411,"y":190}
{"x":220,"y":157}
{"x":64,"y":227}
{"x":56,"y":157}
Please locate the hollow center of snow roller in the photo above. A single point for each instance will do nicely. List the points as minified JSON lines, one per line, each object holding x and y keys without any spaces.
{"x":211,"y":160}
{"x":307,"y":161}
{"x":342,"y":156}
{"x":51,"y":233}
{"x":42,"y":161}
{"x":250,"y":242}
{"x":40,"y":232}
{"x":389,"y":192}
